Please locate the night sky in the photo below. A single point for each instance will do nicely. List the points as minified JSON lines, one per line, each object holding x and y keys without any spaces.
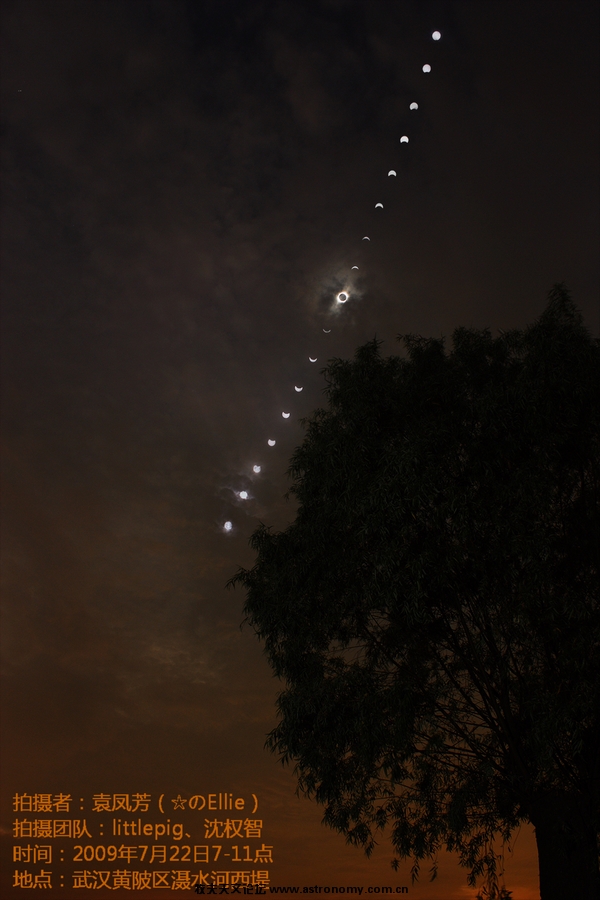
{"x":186,"y":186}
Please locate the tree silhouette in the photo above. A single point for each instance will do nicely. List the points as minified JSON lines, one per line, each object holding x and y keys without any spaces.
{"x":434,"y":609}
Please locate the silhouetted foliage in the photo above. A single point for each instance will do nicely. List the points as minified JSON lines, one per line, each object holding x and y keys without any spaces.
{"x":434,"y":608}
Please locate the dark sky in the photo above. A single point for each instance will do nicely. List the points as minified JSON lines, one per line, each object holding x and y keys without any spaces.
{"x":185,"y":190}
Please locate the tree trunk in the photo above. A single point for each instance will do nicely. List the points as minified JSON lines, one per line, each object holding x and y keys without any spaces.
{"x":567,"y":847}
